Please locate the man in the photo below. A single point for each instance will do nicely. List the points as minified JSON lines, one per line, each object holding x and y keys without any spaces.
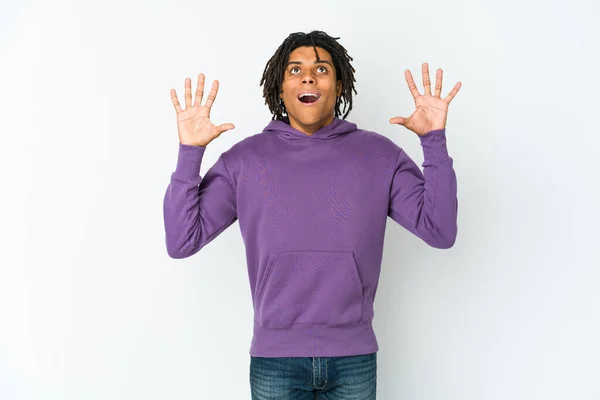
{"x":312,"y":194}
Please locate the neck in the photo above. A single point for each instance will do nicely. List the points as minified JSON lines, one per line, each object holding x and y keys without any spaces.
{"x":310,"y":129}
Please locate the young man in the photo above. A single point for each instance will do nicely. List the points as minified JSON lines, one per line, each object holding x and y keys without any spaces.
{"x":312,"y":194}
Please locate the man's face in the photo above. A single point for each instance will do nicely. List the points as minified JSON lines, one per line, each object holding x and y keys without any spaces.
{"x":310,"y":89}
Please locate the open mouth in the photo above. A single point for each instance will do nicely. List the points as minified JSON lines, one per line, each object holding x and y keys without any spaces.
{"x":309,"y":98}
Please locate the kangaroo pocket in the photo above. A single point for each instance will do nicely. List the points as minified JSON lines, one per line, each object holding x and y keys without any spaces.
{"x":316,"y":287}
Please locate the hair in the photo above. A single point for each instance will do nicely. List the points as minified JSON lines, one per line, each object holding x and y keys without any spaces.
{"x":274,"y":70}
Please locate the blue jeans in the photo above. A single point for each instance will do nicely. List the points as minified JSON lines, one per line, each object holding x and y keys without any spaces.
{"x":308,"y":378}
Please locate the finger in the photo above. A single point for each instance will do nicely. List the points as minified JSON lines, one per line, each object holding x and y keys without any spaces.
{"x":453,"y":92}
{"x":213,"y":94}
{"x":175,"y":101}
{"x":225,"y":127}
{"x":426,"y":81}
{"x":411,"y":84}
{"x":188,"y":93}
{"x":199,"y":90}
{"x":438,"y":82}
{"x":398,"y":120}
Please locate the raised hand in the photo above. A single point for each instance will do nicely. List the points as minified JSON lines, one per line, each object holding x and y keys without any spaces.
{"x":193,"y":123}
{"x":432,"y":110}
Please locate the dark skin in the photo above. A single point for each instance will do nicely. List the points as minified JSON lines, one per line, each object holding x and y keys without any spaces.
{"x":432,"y":110}
{"x":193,"y":123}
{"x":306,"y":73}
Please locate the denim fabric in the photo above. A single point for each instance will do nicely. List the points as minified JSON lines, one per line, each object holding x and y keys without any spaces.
{"x":308,"y":378}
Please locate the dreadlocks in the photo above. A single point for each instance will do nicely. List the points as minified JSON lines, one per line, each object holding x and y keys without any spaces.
{"x":273,"y":74}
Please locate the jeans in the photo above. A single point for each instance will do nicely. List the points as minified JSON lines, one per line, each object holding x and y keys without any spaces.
{"x":308,"y":378}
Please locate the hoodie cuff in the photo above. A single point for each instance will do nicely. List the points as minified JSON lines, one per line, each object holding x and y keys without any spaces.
{"x":434,"y":145}
{"x":189,"y":160}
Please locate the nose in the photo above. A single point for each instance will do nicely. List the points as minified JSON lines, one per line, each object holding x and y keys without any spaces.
{"x":308,"y":78}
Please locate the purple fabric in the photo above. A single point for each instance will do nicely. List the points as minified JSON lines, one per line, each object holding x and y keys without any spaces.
{"x":312,"y":211}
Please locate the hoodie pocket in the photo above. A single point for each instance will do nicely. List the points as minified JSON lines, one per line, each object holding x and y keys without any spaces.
{"x":309,"y":287}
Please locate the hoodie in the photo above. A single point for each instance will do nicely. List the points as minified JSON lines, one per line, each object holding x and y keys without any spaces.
{"x":312,"y":211}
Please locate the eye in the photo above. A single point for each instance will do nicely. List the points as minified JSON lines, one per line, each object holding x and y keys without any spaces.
{"x":293,"y":69}
{"x":321,"y":67}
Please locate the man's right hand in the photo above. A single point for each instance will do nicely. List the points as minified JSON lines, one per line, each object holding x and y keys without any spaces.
{"x":193,"y":123}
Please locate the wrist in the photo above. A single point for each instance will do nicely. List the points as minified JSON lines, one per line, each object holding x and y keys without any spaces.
{"x":202,"y":144}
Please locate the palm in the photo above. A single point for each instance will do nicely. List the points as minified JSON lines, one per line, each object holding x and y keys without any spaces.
{"x":430,"y":114}
{"x":193,"y":123}
{"x":431,"y":110}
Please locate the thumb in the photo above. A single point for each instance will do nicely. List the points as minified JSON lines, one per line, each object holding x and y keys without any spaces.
{"x":398,"y":120}
{"x":225,"y":127}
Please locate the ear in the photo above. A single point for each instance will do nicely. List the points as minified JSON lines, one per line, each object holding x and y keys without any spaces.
{"x":339,"y":88}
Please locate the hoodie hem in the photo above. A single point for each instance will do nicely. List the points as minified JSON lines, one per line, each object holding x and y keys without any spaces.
{"x":314,"y":340}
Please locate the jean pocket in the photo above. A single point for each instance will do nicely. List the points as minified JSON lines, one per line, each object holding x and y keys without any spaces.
{"x":309,"y":287}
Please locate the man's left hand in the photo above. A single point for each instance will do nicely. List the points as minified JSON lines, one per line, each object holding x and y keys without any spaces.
{"x":432,"y":110}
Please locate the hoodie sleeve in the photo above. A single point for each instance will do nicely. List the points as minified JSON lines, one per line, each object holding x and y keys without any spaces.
{"x":425,"y":203}
{"x":197,"y":209}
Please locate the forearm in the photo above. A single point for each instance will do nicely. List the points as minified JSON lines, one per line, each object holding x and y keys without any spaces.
{"x":425,"y":202}
{"x":197,"y":209}
{"x":440,"y":219}
{"x":181,"y":204}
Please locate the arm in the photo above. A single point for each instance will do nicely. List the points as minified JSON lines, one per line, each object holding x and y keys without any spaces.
{"x":197,"y":209}
{"x":426,"y":203}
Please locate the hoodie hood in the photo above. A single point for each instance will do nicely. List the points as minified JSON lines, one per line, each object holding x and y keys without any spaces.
{"x":336,"y":128}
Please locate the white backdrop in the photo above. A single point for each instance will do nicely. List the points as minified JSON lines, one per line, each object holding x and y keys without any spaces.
{"x":92,"y":307}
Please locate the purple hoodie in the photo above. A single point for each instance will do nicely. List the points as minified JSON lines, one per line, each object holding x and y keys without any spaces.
{"x":312,"y":212}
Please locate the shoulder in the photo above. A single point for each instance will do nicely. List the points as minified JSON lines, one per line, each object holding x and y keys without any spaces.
{"x":375,"y":139}
{"x":248,"y":147}
{"x":251,"y":143}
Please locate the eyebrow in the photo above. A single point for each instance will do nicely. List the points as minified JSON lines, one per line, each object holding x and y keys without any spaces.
{"x":316,"y":62}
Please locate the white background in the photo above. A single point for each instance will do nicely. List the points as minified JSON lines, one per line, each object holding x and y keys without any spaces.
{"x":91,"y":306}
